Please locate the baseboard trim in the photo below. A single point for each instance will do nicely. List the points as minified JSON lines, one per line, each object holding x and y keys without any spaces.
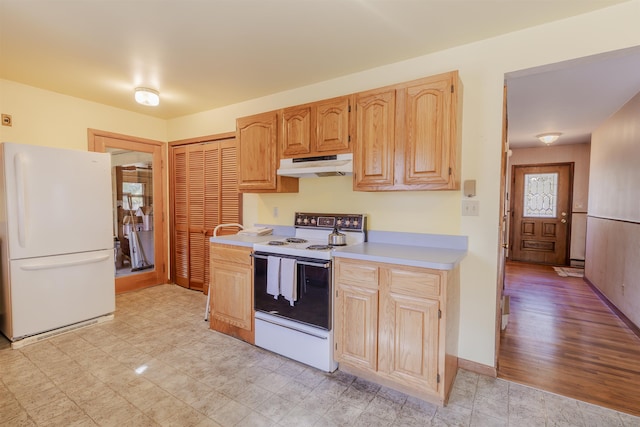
{"x":632,"y":326}
{"x":477,"y":368}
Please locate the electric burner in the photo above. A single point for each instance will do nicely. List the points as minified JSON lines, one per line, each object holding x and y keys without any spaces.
{"x":276,"y":243}
{"x":319,"y":247}
{"x":296,"y":240}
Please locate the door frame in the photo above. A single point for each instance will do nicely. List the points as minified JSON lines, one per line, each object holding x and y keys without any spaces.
{"x":503,"y":248}
{"x":159,"y":274}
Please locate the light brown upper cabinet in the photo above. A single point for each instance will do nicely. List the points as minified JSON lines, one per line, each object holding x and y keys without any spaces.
{"x":333,"y":136}
{"x":204,"y":195}
{"x":407,"y":136}
{"x":258,"y":156}
{"x":374,"y":155}
{"x":316,"y":129}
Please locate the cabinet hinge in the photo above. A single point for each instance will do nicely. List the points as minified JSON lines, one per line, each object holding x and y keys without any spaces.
{"x":336,"y":346}
{"x":439,"y":314}
{"x":451,"y":88}
{"x":450,"y":171}
{"x":349,"y":108}
{"x":438,"y":378}
{"x":349,"y":138}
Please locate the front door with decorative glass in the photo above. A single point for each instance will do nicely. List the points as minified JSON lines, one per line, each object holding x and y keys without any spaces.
{"x":541,"y":213}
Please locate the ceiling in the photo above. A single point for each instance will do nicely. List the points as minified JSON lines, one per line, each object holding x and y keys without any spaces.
{"x":202,"y":54}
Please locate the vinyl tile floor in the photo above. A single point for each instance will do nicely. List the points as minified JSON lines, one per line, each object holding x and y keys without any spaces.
{"x":158,"y":364}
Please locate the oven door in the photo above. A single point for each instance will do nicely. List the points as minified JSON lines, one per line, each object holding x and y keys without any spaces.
{"x":313,"y":306}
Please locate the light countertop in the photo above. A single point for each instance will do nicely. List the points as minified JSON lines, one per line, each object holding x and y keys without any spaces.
{"x":243,"y":240}
{"x":415,"y":256}
{"x":440,"y":252}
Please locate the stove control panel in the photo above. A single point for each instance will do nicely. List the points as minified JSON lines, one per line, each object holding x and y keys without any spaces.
{"x":345,"y":222}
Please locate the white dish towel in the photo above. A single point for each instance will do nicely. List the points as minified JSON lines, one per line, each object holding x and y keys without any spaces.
{"x":273,"y":276}
{"x":288,"y":280}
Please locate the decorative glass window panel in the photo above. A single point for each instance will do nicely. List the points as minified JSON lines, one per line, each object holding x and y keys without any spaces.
{"x":540,"y":195}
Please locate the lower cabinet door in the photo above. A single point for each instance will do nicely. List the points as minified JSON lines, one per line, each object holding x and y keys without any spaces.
{"x":231,"y":294}
{"x":409,"y":341}
{"x":356,"y":332}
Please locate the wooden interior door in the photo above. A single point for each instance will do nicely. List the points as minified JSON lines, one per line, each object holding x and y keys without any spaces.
{"x":541,"y":213}
{"x":152,"y":240}
{"x":204,"y":195}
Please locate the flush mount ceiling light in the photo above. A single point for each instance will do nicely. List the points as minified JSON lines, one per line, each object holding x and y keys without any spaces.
{"x":146,"y":96}
{"x":548,"y":138}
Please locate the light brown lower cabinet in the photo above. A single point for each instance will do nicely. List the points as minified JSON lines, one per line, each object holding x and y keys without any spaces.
{"x":398,"y":326}
{"x":231,"y":291}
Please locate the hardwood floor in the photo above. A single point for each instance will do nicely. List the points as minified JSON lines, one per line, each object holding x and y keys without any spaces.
{"x":562,"y":338}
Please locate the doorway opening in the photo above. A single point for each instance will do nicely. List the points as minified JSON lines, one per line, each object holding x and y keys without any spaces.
{"x":138,"y":208}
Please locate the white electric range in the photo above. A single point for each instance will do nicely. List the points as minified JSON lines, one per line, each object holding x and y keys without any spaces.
{"x":293,"y":288}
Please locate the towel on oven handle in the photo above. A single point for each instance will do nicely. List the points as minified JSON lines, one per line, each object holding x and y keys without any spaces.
{"x":288,"y":280}
{"x":273,"y":276}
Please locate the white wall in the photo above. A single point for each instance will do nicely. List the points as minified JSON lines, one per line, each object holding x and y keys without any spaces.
{"x":482,"y":67}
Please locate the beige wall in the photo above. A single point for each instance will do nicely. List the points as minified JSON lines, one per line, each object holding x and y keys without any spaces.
{"x":47,"y":118}
{"x":613,"y":232}
{"x":579,"y":154}
{"x":482,"y":67}
{"x":51,"y":119}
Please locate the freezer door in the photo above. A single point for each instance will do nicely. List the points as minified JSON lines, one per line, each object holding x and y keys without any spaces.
{"x":52,"y":292}
{"x":58,"y":201}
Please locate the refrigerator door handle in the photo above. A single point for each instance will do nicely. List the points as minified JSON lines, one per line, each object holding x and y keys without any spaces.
{"x":19,"y":165}
{"x":50,"y":265}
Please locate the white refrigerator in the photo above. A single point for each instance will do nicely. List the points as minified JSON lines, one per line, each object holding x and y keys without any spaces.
{"x":56,"y":239}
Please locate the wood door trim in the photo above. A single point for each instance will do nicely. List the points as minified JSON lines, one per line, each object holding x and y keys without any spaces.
{"x":203,"y":139}
{"x":161,"y":272}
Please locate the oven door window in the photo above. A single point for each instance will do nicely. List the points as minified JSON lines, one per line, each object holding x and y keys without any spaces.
{"x":313,"y":305}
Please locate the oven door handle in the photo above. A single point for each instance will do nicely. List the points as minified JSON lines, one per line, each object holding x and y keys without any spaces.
{"x":312,"y":264}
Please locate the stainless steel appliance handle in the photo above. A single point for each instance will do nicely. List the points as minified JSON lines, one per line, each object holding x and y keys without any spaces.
{"x":298,"y":261}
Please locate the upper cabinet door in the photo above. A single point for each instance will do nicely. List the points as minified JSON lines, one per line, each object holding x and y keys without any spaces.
{"x":374,"y":145}
{"x":332,"y":117}
{"x":257,"y":138}
{"x":257,"y":151}
{"x":297,"y":131}
{"x":429,"y":137}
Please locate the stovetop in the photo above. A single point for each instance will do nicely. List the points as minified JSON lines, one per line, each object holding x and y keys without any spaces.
{"x":312,"y":235}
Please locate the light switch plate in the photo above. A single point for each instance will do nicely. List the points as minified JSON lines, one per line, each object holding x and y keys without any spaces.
{"x":470,"y":208}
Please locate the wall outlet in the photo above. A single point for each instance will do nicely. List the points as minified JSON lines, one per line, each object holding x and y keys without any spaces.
{"x":470,"y":208}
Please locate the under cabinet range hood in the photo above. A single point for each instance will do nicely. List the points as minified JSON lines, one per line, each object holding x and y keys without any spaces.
{"x":336,"y":165}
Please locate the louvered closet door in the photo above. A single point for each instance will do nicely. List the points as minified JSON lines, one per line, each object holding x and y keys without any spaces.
{"x":180,"y":216}
{"x":196,"y":209}
{"x":205,"y":195}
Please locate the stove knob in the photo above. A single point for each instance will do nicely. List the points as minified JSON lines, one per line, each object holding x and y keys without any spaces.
{"x":313,"y":221}
{"x":339,"y":222}
{"x":355,"y":223}
{"x":306,"y":221}
{"x":299,"y":220}
{"x":346,"y":223}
